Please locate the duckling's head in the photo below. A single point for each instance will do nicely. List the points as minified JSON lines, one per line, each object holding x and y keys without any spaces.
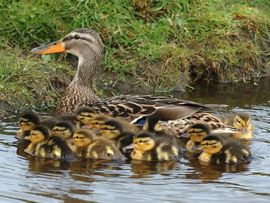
{"x":63,"y":129}
{"x":152,"y":124}
{"x":211,"y":144}
{"x":85,"y":115}
{"x":111,"y":129}
{"x":198,"y":131}
{"x":38,"y":134}
{"x":144,"y":141}
{"x":28,"y":121}
{"x":72,"y":118}
{"x":242,"y":121}
{"x":83,"y":137}
{"x":79,"y":42}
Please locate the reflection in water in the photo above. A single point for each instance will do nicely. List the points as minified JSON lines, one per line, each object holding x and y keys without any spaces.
{"x":143,"y":168}
{"x":30,"y":179}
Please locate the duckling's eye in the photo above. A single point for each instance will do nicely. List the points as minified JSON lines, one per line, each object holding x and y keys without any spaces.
{"x":140,"y":141}
{"x":76,"y":37}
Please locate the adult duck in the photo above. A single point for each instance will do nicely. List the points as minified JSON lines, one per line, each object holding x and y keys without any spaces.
{"x":87,"y":45}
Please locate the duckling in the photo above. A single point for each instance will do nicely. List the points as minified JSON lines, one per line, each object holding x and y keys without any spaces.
{"x":241,"y":121}
{"x":92,"y":147}
{"x":27,"y":122}
{"x":38,"y":137}
{"x":196,"y":133}
{"x":216,"y":151}
{"x":149,"y":147}
{"x":64,"y":130}
{"x":47,"y":147}
{"x":93,"y":120}
{"x":72,"y":118}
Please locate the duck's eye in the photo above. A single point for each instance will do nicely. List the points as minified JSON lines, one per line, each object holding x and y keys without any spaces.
{"x":140,"y":141}
{"x":76,"y":37}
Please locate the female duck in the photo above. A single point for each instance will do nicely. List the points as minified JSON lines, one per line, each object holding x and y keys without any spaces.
{"x":87,"y":45}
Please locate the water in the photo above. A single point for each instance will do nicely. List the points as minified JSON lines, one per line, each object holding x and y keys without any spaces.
{"x":28,"y":179}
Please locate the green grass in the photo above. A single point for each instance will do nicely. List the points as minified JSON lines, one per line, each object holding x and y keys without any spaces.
{"x":162,"y":44}
{"x":27,"y":83}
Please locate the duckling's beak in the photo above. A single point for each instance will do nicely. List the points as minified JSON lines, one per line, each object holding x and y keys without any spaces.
{"x":55,"y":47}
{"x":27,"y":138}
{"x":128,"y":148}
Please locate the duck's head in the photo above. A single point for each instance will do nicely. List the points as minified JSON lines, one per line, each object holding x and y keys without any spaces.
{"x":152,"y":124}
{"x":38,"y":134}
{"x":63,"y":129}
{"x":83,"y":137}
{"x":198,"y":131}
{"x":211,"y":144}
{"x":242,"y":121}
{"x":28,"y":121}
{"x":79,"y":42}
{"x":144,"y":141}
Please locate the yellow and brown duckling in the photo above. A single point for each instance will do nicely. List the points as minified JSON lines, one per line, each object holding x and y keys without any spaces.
{"x":196,"y":133}
{"x":149,"y":147}
{"x":64,"y":130}
{"x":242,"y":122}
{"x":27,"y":122}
{"x":92,"y":147}
{"x":217,"y":151}
{"x":44,"y":146}
{"x":71,"y":118}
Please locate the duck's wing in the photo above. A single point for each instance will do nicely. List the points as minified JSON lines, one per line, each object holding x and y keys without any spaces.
{"x":138,"y":106}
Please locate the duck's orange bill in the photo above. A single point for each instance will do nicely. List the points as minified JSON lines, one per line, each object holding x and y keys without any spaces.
{"x":56,"y":47}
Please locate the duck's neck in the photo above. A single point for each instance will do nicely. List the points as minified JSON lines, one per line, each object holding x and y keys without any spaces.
{"x":80,"y":90}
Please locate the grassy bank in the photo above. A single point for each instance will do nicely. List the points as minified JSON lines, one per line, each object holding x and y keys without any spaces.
{"x":163,"y":44}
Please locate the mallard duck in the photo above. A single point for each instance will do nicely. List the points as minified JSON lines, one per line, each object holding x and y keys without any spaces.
{"x":47,"y":147}
{"x":27,"y":122}
{"x":87,"y":45}
{"x":240,"y":121}
{"x":92,"y":147}
{"x":149,"y":147}
{"x":217,"y":151}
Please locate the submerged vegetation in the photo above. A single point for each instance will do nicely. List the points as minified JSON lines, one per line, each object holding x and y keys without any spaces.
{"x":164,"y":44}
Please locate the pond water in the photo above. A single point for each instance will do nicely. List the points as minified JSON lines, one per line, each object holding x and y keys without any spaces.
{"x":28,"y":179}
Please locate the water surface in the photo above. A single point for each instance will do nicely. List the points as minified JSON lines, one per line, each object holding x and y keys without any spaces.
{"x":28,"y":179}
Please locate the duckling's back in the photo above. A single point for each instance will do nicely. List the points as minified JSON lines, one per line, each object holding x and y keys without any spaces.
{"x":233,"y":152}
{"x":103,"y":149}
{"x":56,"y":148}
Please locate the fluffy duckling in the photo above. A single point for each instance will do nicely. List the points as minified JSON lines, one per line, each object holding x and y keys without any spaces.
{"x":71,"y":118}
{"x":216,"y":151}
{"x":27,"y":122}
{"x":153,"y":148}
{"x":92,"y":147}
{"x":37,"y":137}
{"x":196,"y":133}
{"x":64,"y":130}
{"x":241,"y":121}
{"x":47,"y":147}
